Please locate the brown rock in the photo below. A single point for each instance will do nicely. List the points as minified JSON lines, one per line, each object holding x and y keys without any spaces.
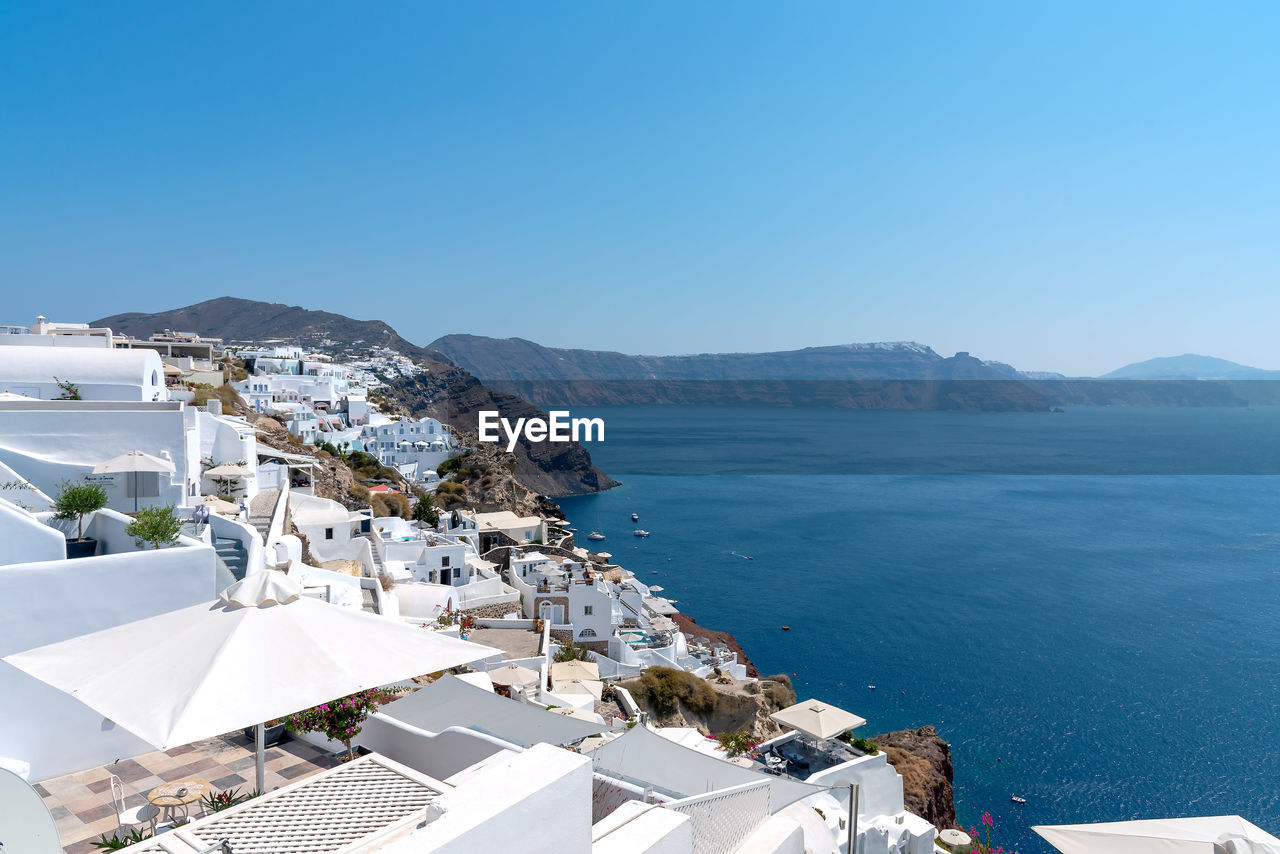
{"x":924,"y":761}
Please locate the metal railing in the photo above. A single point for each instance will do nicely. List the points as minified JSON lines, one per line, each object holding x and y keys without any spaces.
{"x":723,"y":820}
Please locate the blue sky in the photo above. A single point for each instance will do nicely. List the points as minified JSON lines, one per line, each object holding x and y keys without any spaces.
{"x":1061,"y":186}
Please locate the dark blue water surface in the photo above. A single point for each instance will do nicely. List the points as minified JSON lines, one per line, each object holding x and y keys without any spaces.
{"x":1105,"y":645}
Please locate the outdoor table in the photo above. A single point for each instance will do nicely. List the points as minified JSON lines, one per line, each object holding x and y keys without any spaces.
{"x":178,"y":795}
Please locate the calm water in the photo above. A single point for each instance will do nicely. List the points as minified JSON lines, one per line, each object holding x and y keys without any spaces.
{"x":1106,"y":645}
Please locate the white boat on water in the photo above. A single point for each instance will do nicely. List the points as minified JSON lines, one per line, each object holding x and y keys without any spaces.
{"x":595,"y":535}
{"x":640,"y":532}
{"x":635,"y":517}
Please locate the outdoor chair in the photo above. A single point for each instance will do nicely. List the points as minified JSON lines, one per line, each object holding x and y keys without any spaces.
{"x":133,"y":816}
{"x":136,"y":817}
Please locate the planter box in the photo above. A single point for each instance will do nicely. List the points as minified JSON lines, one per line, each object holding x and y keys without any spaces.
{"x":273,"y":735}
{"x":87,"y":547}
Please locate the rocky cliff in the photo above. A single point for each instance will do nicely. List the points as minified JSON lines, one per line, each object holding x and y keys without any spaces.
{"x":456,"y":397}
{"x":924,"y":761}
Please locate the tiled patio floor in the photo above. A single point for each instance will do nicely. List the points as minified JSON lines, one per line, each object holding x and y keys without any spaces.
{"x":83,"y":809}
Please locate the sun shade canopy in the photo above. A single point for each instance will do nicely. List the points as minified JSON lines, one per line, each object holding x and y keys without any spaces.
{"x":646,"y":758}
{"x":450,"y":702}
{"x":818,"y":719}
{"x":1219,"y":834}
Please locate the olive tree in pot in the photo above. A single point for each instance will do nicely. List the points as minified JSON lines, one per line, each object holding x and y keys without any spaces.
{"x":75,"y":501}
{"x":158,"y":526}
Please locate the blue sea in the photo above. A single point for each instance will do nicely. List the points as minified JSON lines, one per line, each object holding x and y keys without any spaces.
{"x":1086,"y":605}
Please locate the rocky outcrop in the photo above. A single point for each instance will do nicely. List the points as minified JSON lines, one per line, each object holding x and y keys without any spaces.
{"x":924,"y":761}
{"x":719,"y":704}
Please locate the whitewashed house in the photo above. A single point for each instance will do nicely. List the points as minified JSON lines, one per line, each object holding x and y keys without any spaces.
{"x":98,"y":373}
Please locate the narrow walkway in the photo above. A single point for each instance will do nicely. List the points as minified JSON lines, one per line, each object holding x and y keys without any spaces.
{"x":260,"y":510}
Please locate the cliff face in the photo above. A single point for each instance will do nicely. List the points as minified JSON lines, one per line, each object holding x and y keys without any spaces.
{"x":456,"y":398}
{"x":924,"y":761}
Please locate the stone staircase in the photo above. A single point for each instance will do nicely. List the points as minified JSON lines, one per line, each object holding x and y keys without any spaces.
{"x":233,"y":556}
{"x":374,"y":547}
{"x":260,"y":510}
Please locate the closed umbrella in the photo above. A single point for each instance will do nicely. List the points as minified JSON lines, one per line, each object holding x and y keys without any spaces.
{"x":229,"y":470}
{"x":819,"y":720}
{"x":1219,"y":834}
{"x":513,"y":674}
{"x":262,"y":651}
{"x":132,"y":463}
{"x":220,"y":506}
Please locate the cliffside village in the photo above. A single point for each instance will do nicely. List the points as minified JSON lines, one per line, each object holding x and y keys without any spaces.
{"x":547,"y":700}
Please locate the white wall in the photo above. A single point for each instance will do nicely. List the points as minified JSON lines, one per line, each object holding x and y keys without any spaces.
{"x":25,"y":539}
{"x":536,"y":802}
{"x":49,"y":601}
{"x":640,"y":828}
{"x":879,"y":785}
{"x":439,"y":755}
{"x":63,"y":440}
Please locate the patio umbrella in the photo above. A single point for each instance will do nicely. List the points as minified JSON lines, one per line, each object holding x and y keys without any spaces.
{"x":818,"y":719}
{"x":581,"y":686}
{"x":574,"y":670}
{"x":220,"y":506}
{"x":262,"y":651}
{"x":132,"y":463}
{"x":1219,"y":834}
{"x":229,"y":470}
{"x":513,"y":674}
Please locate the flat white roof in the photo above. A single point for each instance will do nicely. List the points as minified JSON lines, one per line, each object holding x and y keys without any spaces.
{"x":329,"y":812}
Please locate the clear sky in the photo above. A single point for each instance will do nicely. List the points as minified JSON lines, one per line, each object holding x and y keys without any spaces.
{"x":1065,"y":186}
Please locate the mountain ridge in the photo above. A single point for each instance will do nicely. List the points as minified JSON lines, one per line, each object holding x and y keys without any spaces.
{"x":1190,"y":366}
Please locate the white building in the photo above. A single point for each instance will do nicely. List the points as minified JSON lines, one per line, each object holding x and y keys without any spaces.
{"x":424,"y":444}
{"x":42,"y":333}
{"x":98,"y":373}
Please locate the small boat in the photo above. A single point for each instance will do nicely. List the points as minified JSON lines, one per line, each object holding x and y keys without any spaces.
{"x":595,"y":535}
{"x":871,"y":687}
{"x":640,"y":532}
{"x":786,"y":628}
{"x":1017,"y":800}
{"x":635,"y":517}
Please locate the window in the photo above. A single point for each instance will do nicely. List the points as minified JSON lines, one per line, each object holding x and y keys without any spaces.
{"x":587,"y":633}
{"x":444,"y":560}
{"x":328,"y":533}
{"x":588,"y":610}
{"x":457,"y":572}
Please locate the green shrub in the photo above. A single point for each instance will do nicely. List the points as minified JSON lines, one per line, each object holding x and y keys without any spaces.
{"x":573,"y":652}
{"x":780,"y":693}
{"x":115,"y":842}
{"x":452,"y":464}
{"x":662,"y":690}
{"x":158,"y":526}
{"x":77,"y":500}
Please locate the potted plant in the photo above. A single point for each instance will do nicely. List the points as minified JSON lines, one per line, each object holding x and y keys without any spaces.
{"x":158,"y":526}
{"x":273,"y":732}
{"x":75,"y":501}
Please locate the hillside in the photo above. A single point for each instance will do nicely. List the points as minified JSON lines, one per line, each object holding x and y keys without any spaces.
{"x":900,"y":375}
{"x":235,"y":319}
{"x":519,"y":359}
{"x":443,"y":391}
{"x":1190,"y":366}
